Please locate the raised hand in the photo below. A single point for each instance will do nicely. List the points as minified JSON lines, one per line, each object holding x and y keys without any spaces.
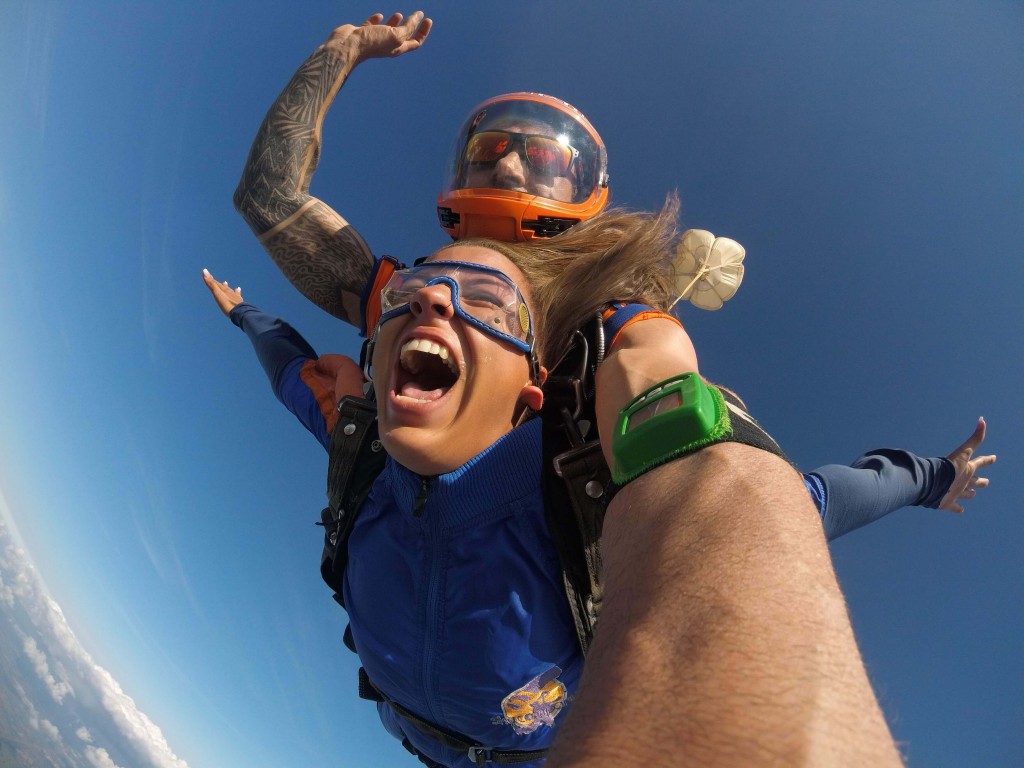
{"x":226,"y":297}
{"x":376,"y":38}
{"x":966,"y":482}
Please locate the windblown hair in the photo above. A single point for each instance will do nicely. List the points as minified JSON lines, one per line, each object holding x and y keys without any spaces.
{"x":618,"y":255}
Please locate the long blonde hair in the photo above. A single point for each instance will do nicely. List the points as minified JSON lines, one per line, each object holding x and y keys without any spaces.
{"x":618,"y":255}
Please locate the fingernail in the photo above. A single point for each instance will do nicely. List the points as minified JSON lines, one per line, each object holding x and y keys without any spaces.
{"x":206,"y":271}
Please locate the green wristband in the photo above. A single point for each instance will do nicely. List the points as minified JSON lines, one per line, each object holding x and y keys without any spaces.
{"x":680,"y":415}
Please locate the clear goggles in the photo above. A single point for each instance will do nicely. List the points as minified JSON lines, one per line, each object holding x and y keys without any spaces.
{"x":484,"y":297}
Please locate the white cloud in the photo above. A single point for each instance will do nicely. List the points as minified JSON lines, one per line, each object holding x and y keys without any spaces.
{"x":49,"y":729}
{"x":33,"y":713}
{"x":37,"y":722}
{"x":136,"y":727}
{"x":83,"y":734}
{"x":58,"y":642}
{"x":99,"y":758}
{"x":57,"y":688}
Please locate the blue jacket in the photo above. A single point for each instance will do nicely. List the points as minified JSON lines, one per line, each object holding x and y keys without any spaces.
{"x":458,"y":612}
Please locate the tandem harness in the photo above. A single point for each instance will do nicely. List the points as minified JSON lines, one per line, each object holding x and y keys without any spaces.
{"x":577,"y":487}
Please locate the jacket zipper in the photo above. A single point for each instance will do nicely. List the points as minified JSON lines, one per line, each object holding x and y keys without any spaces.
{"x":421,"y":498}
{"x":431,"y":618}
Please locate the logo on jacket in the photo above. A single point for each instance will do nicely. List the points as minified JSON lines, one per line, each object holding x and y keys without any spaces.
{"x":535,"y":704}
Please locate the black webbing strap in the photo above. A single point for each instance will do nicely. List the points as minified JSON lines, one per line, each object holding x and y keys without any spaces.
{"x":575,"y":524}
{"x":356,"y":459}
{"x":477,"y":753}
{"x":746,"y":429}
{"x":576,"y":481}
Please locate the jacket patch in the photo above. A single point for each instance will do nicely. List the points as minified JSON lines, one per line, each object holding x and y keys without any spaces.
{"x":535,"y":704}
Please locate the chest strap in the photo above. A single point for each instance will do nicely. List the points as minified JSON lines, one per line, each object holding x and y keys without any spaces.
{"x":477,"y":753}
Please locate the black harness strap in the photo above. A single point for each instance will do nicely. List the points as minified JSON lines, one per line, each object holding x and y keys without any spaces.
{"x":356,"y":459}
{"x":579,"y":487}
{"x":576,"y":482}
{"x":477,"y":752}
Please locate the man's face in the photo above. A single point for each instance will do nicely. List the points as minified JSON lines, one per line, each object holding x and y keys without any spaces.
{"x":445,"y":389}
{"x":514,"y":173}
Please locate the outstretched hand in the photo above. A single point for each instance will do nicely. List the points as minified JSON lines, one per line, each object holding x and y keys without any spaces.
{"x":376,"y":38}
{"x":227,"y":298}
{"x":965,"y":482}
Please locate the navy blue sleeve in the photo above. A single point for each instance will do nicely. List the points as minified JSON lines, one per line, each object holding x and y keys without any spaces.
{"x":877,"y":483}
{"x":282,"y":352}
{"x":275,"y":342}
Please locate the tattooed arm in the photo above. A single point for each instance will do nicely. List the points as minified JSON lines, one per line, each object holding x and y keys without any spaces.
{"x":316,"y":249}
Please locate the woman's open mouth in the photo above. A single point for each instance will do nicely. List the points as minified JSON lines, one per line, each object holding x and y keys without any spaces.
{"x":426,"y":371}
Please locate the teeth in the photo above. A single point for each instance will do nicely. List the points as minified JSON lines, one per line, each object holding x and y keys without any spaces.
{"x":429,"y":347}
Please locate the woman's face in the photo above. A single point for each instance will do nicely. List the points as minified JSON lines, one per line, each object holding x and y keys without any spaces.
{"x":445,"y":389}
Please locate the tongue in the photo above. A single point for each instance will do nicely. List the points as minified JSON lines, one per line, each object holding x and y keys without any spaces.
{"x":415,"y":392}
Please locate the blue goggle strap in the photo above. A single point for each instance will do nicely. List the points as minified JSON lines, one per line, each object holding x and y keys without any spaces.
{"x":524,"y":346}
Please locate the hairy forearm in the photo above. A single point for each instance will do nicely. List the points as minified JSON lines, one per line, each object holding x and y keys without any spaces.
{"x":316,"y":249}
{"x":723,"y":639}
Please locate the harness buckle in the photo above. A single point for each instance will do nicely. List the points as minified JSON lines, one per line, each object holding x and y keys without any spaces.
{"x":479,"y":755}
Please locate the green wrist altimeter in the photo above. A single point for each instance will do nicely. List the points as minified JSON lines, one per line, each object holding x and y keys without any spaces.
{"x":679,"y":416}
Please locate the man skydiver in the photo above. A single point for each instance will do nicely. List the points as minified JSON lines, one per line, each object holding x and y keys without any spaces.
{"x":523,"y":165}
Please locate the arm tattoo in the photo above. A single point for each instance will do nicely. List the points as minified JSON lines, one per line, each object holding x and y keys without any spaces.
{"x":318,"y":261}
{"x":316,"y":249}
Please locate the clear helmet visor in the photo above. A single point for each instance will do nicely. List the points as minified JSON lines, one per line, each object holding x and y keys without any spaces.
{"x":531,"y":144}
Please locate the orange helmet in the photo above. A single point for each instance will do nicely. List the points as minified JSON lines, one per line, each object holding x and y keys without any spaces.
{"x":523,"y":165}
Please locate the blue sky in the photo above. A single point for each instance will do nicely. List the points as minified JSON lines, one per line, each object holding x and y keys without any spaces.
{"x":869,"y":156}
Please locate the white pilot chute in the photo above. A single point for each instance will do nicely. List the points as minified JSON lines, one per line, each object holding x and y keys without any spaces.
{"x":709,"y":269}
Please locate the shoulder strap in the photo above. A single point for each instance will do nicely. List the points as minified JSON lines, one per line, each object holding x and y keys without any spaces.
{"x":576,"y":482}
{"x":356,"y":458}
{"x":577,"y":488}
